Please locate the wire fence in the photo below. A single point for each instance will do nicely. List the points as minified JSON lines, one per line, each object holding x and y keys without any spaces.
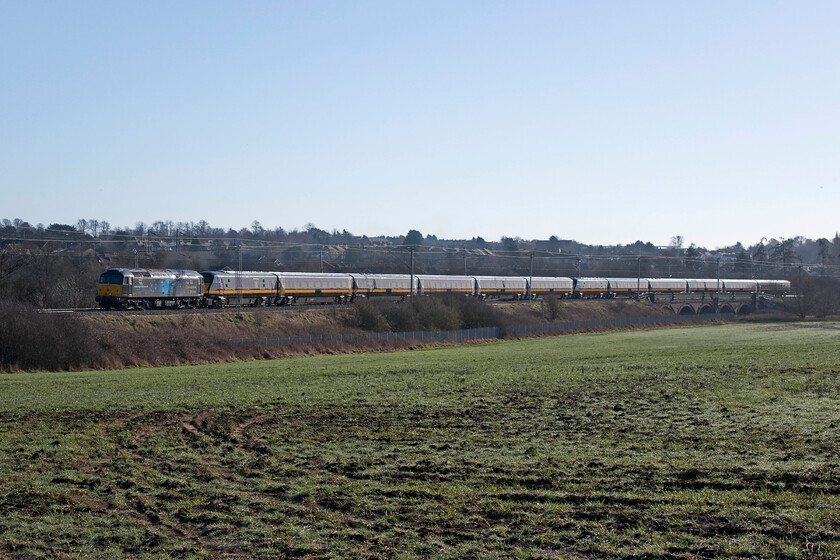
{"x":488,"y":333}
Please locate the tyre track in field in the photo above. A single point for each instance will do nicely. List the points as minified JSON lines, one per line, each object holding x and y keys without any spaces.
{"x":128,"y":490}
{"x":198,"y":433}
{"x":124,"y":496}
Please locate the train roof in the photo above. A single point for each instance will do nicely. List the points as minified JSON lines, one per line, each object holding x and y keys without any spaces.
{"x":237,"y":273}
{"x":374,"y":275}
{"x":551,"y":278}
{"x":453,"y":276}
{"x":627,"y":282}
{"x":155,"y":272}
{"x":314,"y":274}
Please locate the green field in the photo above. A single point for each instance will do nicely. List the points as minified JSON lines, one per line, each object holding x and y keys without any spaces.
{"x":717,"y":441}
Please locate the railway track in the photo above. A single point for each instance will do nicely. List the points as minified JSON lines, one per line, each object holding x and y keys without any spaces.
{"x":176,"y":311}
{"x":215,"y":310}
{"x":681,"y":299}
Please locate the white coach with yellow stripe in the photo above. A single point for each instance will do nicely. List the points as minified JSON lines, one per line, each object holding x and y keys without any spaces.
{"x":223,"y":287}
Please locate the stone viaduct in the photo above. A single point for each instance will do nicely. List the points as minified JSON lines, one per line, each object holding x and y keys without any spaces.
{"x":699,"y":303}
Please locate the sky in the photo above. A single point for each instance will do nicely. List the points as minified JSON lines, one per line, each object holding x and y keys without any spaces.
{"x":604,"y":122}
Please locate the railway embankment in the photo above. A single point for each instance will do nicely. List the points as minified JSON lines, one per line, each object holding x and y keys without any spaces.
{"x":30,"y":341}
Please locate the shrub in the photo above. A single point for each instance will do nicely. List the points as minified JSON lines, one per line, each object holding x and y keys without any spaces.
{"x":818,"y":296}
{"x":34,"y":341}
{"x":477,"y":314}
{"x":444,"y":313}
{"x":436,"y":313}
{"x":550,"y":307}
{"x":400,"y":316}
{"x":368,"y":316}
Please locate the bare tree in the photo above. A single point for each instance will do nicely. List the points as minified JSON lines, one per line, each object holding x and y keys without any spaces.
{"x":784,"y":252}
{"x":825,"y":250}
{"x":510,"y":243}
{"x":760,"y":252}
{"x":677,"y":243}
{"x":743,"y":264}
{"x":818,"y":296}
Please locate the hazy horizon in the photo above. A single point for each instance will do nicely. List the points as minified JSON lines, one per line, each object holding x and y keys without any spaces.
{"x":685,"y":243}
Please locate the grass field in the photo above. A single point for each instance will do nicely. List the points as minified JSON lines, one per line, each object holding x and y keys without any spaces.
{"x":717,"y":441}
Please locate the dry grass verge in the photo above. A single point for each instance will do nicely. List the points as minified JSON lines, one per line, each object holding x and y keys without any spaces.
{"x":31,"y":341}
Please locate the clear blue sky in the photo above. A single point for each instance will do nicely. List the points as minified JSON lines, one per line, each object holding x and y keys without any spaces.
{"x":604,"y":122}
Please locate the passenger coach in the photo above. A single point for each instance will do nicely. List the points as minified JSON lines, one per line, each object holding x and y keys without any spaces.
{"x":497,"y":287}
{"x":223,"y":287}
{"x":438,"y":284}
{"x":375,"y":285}
{"x":550,"y":285}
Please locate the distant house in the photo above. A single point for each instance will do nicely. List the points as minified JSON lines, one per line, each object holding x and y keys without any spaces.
{"x":556,"y":245}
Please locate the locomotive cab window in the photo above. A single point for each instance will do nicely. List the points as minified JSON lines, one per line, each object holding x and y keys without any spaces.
{"x":111,"y":278}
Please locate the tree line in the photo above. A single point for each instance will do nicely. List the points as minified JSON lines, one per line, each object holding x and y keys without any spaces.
{"x":58,"y":265}
{"x":822,"y":251}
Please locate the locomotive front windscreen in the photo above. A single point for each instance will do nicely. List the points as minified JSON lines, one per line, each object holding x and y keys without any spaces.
{"x":111,"y":277}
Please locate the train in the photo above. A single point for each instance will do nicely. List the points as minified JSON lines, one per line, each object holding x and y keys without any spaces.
{"x":122,"y":288}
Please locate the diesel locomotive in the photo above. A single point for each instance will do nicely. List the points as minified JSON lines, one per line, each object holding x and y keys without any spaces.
{"x":122,"y":288}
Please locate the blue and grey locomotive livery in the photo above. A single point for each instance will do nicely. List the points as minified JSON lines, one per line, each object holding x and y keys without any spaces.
{"x":122,"y":288}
